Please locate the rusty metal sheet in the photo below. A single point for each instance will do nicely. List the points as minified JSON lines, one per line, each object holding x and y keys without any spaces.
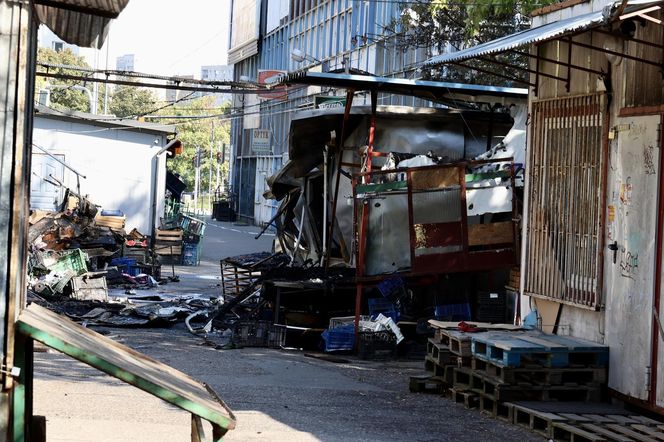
{"x":491,"y":234}
{"x":438,"y":235}
{"x":438,"y":178}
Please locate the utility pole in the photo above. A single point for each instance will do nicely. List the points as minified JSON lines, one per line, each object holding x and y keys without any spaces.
{"x":197,"y":164}
{"x":210,"y":171}
{"x":221,"y":150}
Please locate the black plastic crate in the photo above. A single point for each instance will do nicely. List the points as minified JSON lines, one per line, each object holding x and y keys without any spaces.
{"x":377,"y":345}
{"x":258,"y":334}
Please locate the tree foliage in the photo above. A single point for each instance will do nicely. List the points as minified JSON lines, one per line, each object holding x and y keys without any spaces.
{"x":132,"y":101}
{"x":445,"y":25}
{"x":195,"y":133}
{"x":63,"y":93}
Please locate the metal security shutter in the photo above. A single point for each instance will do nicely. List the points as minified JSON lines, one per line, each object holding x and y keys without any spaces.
{"x":566,"y":160}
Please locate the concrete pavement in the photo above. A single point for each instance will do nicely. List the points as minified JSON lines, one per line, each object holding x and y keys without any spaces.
{"x":276,"y":395}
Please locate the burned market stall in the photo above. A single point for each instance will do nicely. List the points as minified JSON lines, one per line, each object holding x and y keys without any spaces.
{"x":406,"y":213}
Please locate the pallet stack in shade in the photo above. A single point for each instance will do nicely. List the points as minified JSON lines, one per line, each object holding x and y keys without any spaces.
{"x":490,"y":368}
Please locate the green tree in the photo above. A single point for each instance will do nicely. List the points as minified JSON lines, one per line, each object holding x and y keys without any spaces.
{"x":63,"y":93}
{"x":132,"y":101}
{"x":207,"y":133}
{"x":440,"y":25}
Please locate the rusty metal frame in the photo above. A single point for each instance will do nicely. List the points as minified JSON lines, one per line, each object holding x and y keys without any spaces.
{"x":466,"y":260}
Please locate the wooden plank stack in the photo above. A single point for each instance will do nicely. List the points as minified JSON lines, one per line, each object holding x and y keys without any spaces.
{"x":168,"y":242}
{"x":113,"y":222}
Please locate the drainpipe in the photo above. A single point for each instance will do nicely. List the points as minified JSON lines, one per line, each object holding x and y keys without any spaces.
{"x":155,"y":182}
{"x":325,"y":203}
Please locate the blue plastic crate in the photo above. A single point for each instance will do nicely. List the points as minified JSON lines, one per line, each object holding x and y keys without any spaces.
{"x":123,"y":262}
{"x":126,"y":265}
{"x":453,"y":312}
{"x":384,"y":306}
{"x":340,"y":338}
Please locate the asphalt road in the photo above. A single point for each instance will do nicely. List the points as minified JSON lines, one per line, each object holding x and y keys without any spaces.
{"x":276,"y":395}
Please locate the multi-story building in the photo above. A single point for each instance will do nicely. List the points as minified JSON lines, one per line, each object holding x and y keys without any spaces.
{"x":126,"y":62}
{"x":218,"y":72}
{"x":277,"y":36}
{"x":47,"y":39}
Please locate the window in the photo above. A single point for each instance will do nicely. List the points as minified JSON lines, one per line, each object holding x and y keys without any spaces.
{"x":58,"y":46}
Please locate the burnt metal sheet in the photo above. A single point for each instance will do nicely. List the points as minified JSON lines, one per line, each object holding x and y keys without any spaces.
{"x":549,"y":31}
{"x":125,"y":364}
{"x":79,"y":22}
{"x":429,"y":90}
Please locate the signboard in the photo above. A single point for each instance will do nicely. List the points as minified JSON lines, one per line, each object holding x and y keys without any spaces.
{"x":244,"y":30}
{"x":261,"y":141}
{"x":270,"y":76}
{"x":329,"y":102}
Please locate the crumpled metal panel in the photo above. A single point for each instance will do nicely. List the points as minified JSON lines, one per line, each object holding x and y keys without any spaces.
{"x":80,"y":22}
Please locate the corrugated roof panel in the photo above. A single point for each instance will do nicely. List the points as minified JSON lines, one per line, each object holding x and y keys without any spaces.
{"x":79,"y":22}
{"x":549,"y":31}
{"x":102,"y":8}
{"x":523,"y":38}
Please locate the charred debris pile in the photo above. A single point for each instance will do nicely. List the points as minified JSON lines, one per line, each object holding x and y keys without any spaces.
{"x":382,"y":232}
{"x":79,"y":253}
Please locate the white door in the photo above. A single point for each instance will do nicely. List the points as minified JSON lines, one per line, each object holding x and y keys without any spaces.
{"x":631,"y":225}
{"x":44,"y":195}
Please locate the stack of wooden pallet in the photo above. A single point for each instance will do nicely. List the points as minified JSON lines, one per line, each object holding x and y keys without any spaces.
{"x":489,"y":368}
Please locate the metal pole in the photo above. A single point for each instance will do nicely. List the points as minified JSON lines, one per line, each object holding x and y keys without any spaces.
{"x":210,"y":171}
{"x":108,"y":44}
{"x":325,"y":204}
{"x":197,"y":163}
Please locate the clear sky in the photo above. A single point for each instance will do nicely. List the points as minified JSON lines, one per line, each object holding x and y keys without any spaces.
{"x":170,"y":37}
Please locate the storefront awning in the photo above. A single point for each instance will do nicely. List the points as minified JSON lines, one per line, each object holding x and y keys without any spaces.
{"x":127,"y":365}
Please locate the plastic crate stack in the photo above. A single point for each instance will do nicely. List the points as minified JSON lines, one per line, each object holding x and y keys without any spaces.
{"x":193,"y":230}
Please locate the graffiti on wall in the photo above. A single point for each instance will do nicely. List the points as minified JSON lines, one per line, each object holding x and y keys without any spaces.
{"x":649,"y":160}
{"x":629,"y":263}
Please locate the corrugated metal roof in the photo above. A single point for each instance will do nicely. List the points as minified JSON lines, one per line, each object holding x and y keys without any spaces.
{"x":101,"y":8}
{"x":104,"y":121}
{"x":79,"y":22}
{"x":549,"y":31}
{"x":429,"y":90}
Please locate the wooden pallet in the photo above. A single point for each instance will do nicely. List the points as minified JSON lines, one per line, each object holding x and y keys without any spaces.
{"x":458,"y":342}
{"x":537,"y":374}
{"x":469,"y":399}
{"x":440,"y":353}
{"x":427,"y":384}
{"x":599,"y":426}
{"x":516,"y":349}
{"x":501,"y":391}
